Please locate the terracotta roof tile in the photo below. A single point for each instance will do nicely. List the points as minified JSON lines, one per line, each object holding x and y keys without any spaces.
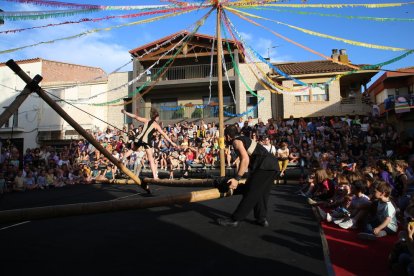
{"x":24,"y":61}
{"x":141,"y":49}
{"x":311,"y":67}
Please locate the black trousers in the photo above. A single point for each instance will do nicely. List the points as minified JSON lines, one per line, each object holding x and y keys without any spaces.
{"x":255,"y":193}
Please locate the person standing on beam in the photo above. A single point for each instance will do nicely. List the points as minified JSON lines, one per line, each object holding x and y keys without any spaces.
{"x":262,"y":167}
{"x":145,"y":137}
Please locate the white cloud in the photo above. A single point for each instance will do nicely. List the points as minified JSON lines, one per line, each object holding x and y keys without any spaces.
{"x":265,"y":47}
{"x":99,"y":49}
{"x":91,"y":51}
{"x":246,"y":37}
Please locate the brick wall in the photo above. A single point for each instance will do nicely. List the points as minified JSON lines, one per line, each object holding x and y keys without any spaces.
{"x":60,"y":72}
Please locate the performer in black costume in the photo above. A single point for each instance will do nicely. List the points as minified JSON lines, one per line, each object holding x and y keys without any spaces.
{"x":263,"y":168}
{"x":145,"y":137}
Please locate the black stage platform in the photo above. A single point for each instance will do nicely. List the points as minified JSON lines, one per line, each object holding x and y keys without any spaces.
{"x":171,"y":240}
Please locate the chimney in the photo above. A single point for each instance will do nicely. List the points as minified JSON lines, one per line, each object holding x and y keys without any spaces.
{"x":335,"y":55}
{"x":343,"y":57}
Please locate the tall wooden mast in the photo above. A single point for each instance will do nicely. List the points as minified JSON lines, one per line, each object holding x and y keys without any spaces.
{"x":220,"y":89}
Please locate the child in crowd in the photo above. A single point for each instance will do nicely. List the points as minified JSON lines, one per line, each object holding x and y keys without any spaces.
{"x":385,"y":220}
{"x":401,"y":185}
{"x":29,"y":181}
{"x":324,"y":187}
{"x":283,"y":157}
{"x":18,"y":184}
{"x":41,"y":180}
{"x":173,"y":163}
{"x":358,"y":207}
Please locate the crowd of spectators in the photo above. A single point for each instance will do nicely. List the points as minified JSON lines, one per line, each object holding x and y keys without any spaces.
{"x":357,"y":170}
{"x":306,"y":143}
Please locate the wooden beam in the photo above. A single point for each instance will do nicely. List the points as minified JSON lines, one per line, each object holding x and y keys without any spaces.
{"x":14,"y":106}
{"x":42,"y":94}
{"x":166,"y":182}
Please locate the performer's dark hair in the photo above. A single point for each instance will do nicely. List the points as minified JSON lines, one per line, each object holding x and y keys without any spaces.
{"x":154,"y":113}
{"x":231,"y":131}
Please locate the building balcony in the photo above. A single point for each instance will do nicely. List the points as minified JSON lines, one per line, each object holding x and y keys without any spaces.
{"x":186,"y":72}
{"x":177,"y":113}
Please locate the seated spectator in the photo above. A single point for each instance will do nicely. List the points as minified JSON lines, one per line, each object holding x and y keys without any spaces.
{"x":308,"y":187}
{"x":384,"y":222}
{"x":324,"y":187}
{"x":401,"y":256}
{"x":18,"y":183}
{"x":84,"y":157}
{"x":268,"y":145}
{"x":41,"y":180}
{"x":59,"y":179}
{"x":357,"y":209}
{"x":173,"y":163}
{"x":400,"y":193}
{"x":95,"y":169}
{"x":294,"y":156}
{"x":109,"y":172}
{"x":50,"y":178}
{"x":283,"y":158}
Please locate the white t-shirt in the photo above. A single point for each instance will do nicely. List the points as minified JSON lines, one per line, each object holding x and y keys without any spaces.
{"x":387,"y":209}
{"x":283,"y":152}
{"x":270,"y":148}
{"x":290,"y":122}
{"x":364,"y":127}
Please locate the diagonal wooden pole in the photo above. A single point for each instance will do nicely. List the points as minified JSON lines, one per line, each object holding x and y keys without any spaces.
{"x":42,"y":94}
{"x":14,"y":106}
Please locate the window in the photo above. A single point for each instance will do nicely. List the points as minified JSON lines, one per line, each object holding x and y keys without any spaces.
{"x":320,"y":93}
{"x":315,"y":93}
{"x":226,"y":100}
{"x":251,"y":101}
{"x":159,"y":103}
{"x":212,"y":111}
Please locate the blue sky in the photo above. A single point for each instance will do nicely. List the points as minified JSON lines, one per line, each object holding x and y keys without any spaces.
{"x":109,"y":49}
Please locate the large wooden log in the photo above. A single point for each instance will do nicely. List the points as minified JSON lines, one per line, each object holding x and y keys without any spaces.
{"x":14,"y":106}
{"x":165,"y":182}
{"x":107,"y":206}
{"x":42,"y":94}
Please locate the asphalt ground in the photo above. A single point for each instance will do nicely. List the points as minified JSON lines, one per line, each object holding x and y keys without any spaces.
{"x":169,"y":240}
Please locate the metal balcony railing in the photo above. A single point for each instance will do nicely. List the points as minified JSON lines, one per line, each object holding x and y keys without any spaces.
{"x":186,"y":112}
{"x":187,"y":72}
